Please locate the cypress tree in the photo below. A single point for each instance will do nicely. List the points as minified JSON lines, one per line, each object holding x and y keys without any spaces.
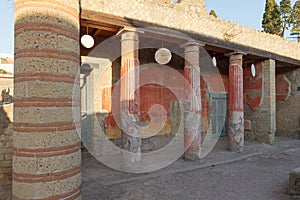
{"x":285,"y":14}
{"x":295,"y":17}
{"x":271,"y":22}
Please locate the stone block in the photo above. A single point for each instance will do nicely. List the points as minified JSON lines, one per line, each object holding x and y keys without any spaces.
{"x":58,"y":187}
{"x":294,"y":179}
{"x":32,"y":140}
{"x":36,"y":65}
{"x":24,"y":165}
{"x":56,"y":163}
{"x":43,"y":114}
{"x":42,"y":89}
{"x":23,"y":190}
{"x":27,"y":115}
{"x":67,"y":44}
{"x":67,"y":66}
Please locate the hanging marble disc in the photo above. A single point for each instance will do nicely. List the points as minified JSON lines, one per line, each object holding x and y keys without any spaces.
{"x":163,"y":56}
{"x":253,"y":70}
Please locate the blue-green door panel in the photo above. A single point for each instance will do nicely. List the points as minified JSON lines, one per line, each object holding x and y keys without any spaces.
{"x":218,"y":113}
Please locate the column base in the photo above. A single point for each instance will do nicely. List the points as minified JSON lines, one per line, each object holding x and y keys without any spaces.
{"x":131,"y":162}
{"x":191,"y":156}
{"x":268,"y":138}
{"x":236,"y":131}
{"x":236,"y":148}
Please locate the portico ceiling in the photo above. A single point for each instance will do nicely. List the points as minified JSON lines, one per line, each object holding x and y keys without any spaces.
{"x":101,"y":26}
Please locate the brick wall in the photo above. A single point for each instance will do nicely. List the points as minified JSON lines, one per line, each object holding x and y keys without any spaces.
{"x":288,"y":109}
{"x":259,"y":97}
{"x":283,"y":88}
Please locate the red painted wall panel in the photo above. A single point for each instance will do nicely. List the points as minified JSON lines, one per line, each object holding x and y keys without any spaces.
{"x":253,"y":86}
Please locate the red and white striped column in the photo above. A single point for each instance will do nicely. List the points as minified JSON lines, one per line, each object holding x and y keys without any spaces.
{"x":235,"y":103}
{"x":46,"y":146}
{"x":192,"y":104}
{"x":130,"y":96}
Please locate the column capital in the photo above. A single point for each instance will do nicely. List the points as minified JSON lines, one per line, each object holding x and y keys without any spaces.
{"x":129,"y":35}
{"x":191,"y":52}
{"x":235,"y":57}
{"x":190,"y":43}
{"x":129,"y":45}
{"x":128,"y":29}
{"x":232,"y":53}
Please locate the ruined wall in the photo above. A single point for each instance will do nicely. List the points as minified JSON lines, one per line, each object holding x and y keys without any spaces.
{"x":190,"y":15}
{"x":6,"y":118}
{"x":288,"y":106}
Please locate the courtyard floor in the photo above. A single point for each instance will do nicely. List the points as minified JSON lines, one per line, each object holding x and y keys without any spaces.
{"x":260,"y":172}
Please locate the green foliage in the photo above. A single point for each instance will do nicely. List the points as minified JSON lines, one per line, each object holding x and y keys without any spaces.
{"x":213,"y":13}
{"x":295,"y":18}
{"x":278,"y":19}
{"x":271,"y":22}
{"x":2,"y":71}
{"x":286,"y":15}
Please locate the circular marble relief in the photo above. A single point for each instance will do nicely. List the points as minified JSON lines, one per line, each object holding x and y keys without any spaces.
{"x":163,"y":56}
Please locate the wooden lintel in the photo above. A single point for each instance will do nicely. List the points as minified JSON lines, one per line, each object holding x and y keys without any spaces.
{"x":104,"y":18}
{"x":99,"y":26}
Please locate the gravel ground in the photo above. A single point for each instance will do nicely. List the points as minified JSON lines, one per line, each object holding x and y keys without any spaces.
{"x":257,"y":176}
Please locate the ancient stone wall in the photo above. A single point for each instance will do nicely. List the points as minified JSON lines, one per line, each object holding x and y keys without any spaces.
{"x":6,"y":117}
{"x":288,"y":111}
{"x":259,"y":98}
{"x":283,"y":88}
{"x":191,"y":16}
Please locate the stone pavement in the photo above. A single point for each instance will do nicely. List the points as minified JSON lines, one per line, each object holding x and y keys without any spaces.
{"x":260,"y":166}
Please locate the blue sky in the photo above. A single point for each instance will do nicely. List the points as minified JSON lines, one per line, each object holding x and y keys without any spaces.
{"x":245,"y":12}
{"x":6,"y":26}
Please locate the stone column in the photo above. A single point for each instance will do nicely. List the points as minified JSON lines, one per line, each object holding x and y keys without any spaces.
{"x":46,"y":146}
{"x":235,"y":103}
{"x":192,"y":104}
{"x":129,"y":96}
{"x":268,"y":107}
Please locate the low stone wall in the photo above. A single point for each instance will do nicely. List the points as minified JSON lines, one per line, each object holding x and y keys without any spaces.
{"x":294,"y":179}
{"x":6,"y":131}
